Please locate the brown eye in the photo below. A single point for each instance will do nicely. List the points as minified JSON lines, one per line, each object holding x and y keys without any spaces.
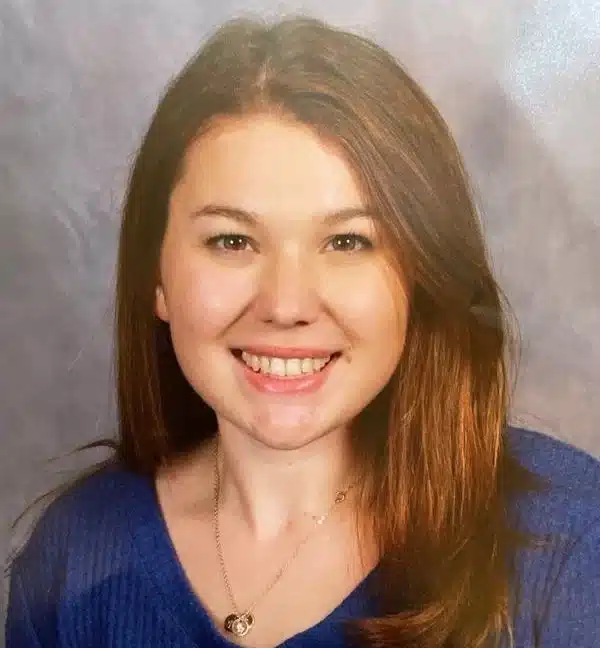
{"x":228,"y":242}
{"x":350,"y":243}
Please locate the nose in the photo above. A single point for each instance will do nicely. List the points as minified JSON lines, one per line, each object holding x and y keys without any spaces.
{"x":288,"y":294}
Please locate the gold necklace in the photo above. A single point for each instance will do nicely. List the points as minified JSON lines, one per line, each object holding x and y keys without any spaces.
{"x":240,"y":623}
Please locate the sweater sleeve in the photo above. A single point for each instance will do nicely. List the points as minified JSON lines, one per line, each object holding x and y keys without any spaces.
{"x":35,"y":581}
{"x":20,"y":632}
{"x":573,"y":613}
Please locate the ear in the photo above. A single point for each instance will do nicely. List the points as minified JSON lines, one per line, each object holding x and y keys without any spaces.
{"x":160,"y":304}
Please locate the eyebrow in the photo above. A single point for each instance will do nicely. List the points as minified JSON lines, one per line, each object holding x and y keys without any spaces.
{"x":251,"y":218}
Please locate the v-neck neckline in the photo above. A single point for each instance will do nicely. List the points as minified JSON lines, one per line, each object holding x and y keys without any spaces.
{"x":163,"y":568}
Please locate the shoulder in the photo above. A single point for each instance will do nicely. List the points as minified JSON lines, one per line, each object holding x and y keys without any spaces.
{"x":83,"y":541}
{"x":561,"y":582}
{"x":93,"y":511}
{"x":559,"y":460}
{"x":571,"y":500}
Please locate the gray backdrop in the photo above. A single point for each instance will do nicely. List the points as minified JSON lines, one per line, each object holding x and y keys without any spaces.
{"x":518,"y":81}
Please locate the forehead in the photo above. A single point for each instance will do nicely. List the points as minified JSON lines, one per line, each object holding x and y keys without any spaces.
{"x":269,"y":165}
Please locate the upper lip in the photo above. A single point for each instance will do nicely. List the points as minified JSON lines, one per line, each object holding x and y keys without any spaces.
{"x":288,"y":352}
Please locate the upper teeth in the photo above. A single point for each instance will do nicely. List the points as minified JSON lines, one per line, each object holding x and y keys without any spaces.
{"x":284,"y":366}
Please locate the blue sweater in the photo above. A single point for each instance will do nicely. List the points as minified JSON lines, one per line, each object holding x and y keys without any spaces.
{"x":100,"y":571}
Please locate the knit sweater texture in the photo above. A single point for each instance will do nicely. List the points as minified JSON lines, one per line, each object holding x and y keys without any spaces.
{"x":100,"y":570}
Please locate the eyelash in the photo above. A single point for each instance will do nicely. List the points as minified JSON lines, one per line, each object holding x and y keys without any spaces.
{"x":213,"y":241}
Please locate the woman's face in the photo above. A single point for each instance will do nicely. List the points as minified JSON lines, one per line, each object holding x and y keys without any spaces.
{"x":284,"y":314}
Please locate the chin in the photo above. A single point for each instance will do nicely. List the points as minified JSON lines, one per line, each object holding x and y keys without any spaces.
{"x":282,"y":438}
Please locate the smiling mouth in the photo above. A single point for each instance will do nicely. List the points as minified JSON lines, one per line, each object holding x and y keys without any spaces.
{"x":284,"y":367}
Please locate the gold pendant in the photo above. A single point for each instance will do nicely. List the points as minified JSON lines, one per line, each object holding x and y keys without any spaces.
{"x":239,"y":624}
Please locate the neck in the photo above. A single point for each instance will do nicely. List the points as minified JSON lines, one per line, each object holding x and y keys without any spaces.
{"x":271,"y":489}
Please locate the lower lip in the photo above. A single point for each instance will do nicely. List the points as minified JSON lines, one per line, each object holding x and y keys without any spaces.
{"x":304,"y":384}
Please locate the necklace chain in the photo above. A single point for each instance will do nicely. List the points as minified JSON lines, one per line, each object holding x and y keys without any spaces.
{"x":240,"y":623}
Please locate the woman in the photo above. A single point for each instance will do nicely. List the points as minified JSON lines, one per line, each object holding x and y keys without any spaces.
{"x":313,"y":377}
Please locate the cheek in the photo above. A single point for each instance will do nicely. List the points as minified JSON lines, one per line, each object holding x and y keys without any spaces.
{"x":375,"y":309}
{"x":203,"y":300}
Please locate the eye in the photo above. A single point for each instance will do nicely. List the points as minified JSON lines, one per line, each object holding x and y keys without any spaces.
{"x":228,"y":242}
{"x":350,"y":242}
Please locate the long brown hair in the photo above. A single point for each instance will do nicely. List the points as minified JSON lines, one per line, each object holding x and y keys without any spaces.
{"x":438,"y":477}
